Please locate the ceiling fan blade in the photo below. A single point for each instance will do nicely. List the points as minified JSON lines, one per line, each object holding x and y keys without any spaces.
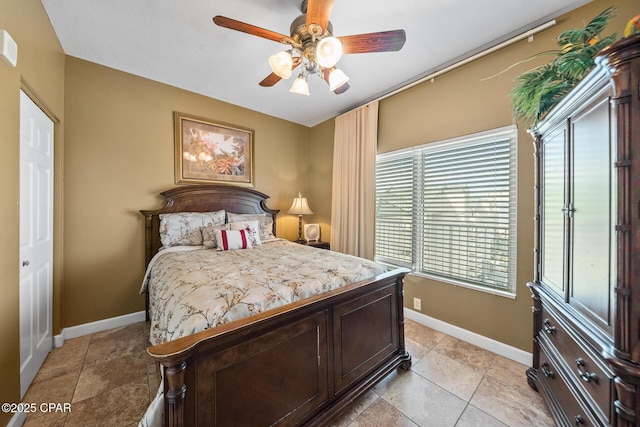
{"x":251,"y":29}
{"x":270,"y":80}
{"x":341,"y":89}
{"x":384,"y":41}
{"x":318,"y":12}
{"x":273,"y":78}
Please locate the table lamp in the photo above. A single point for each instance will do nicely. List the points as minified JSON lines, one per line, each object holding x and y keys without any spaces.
{"x":300,"y":207}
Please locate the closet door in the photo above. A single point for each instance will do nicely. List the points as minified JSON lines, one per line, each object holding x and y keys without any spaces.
{"x":552,"y":215}
{"x":36,"y":238}
{"x":592,"y":270}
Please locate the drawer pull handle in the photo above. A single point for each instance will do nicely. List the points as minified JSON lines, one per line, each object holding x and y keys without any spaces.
{"x":547,"y":372}
{"x":579,"y":420}
{"x":585,"y":375}
{"x":548,"y":328}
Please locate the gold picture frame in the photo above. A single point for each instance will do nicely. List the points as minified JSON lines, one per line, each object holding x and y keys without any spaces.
{"x":211,"y":152}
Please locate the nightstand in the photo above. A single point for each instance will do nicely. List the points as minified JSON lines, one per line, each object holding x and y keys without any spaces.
{"x":320,"y":245}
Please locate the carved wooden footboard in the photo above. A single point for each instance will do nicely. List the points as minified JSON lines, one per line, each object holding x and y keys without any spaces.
{"x":299,"y":364}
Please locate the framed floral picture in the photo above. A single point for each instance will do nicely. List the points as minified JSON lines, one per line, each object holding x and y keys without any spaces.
{"x":209,"y":152}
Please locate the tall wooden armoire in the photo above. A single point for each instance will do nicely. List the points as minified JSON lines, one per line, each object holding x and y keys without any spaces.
{"x":586,"y":289}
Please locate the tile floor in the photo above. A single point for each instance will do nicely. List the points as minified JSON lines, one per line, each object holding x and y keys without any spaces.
{"x":109,"y":381}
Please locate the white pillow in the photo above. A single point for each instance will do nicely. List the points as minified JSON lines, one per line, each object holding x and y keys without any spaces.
{"x":185,"y":228}
{"x":265,"y":223}
{"x":209,"y":240}
{"x":232,"y":239}
{"x":251,"y":227}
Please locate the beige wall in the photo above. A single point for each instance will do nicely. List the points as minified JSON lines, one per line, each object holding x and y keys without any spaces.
{"x":463,"y":102}
{"x":319,"y":169}
{"x":41,"y":68}
{"x":119,"y":155}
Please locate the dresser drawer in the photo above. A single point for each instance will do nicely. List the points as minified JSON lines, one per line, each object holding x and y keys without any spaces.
{"x":585,"y":367}
{"x":559,"y":397}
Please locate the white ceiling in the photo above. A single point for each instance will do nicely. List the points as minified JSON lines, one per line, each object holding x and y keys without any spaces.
{"x":176,"y":42}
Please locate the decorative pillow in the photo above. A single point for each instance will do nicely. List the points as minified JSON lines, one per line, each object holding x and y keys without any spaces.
{"x":185,"y":228}
{"x":265,"y":226}
{"x":251,"y":227}
{"x":232,"y":239}
{"x":209,"y":240}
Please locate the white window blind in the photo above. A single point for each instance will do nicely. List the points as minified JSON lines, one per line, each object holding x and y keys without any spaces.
{"x":394,"y":209}
{"x":448,"y":209}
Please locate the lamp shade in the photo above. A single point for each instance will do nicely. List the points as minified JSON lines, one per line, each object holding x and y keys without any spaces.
{"x":336,"y":79}
{"x":281,"y":64}
{"x":300,"y":206}
{"x":328,"y":52}
{"x":300,"y":86}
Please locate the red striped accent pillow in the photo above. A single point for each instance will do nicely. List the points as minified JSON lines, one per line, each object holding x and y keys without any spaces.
{"x":232,"y":239}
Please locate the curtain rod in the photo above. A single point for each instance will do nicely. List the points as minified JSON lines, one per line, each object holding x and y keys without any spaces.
{"x":527,"y":34}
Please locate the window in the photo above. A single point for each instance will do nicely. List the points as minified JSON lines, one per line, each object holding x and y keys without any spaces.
{"x":448,"y":210}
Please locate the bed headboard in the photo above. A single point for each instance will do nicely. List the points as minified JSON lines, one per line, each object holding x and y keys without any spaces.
{"x":203,"y":198}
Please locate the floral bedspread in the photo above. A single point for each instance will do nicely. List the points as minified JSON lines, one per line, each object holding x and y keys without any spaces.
{"x":193,"y":290}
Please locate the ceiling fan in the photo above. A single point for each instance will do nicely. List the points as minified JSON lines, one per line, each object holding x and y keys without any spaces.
{"x":313,"y":46}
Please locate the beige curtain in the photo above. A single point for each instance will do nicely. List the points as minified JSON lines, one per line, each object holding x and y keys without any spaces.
{"x":353,"y":189}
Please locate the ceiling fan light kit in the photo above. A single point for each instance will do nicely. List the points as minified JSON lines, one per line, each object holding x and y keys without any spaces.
{"x":316,"y":49}
{"x":281,"y":64}
{"x":337,"y":78}
{"x":328,"y":52}
{"x":300,"y":85}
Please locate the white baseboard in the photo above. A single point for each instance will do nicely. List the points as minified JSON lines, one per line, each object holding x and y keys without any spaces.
{"x":481,"y":341}
{"x":97,"y":326}
{"x":18,"y":419}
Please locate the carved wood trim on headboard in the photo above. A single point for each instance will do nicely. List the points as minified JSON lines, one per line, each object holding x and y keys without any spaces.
{"x":203,"y":198}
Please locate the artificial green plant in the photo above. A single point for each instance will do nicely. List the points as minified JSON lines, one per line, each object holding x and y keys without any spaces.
{"x":538,"y":90}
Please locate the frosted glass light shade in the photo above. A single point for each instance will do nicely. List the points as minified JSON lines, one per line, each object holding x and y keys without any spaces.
{"x":336,"y":79}
{"x":328,"y":52}
{"x":281,"y":64}
{"x":300,"y":86}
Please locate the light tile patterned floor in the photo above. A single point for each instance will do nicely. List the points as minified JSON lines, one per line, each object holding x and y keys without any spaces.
{"x":109,"y":381}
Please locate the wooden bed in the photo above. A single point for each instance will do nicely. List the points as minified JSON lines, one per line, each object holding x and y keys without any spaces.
{"x":300,"y":364}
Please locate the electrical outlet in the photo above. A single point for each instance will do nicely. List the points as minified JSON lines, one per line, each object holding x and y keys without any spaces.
{"x":417,"y":304}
